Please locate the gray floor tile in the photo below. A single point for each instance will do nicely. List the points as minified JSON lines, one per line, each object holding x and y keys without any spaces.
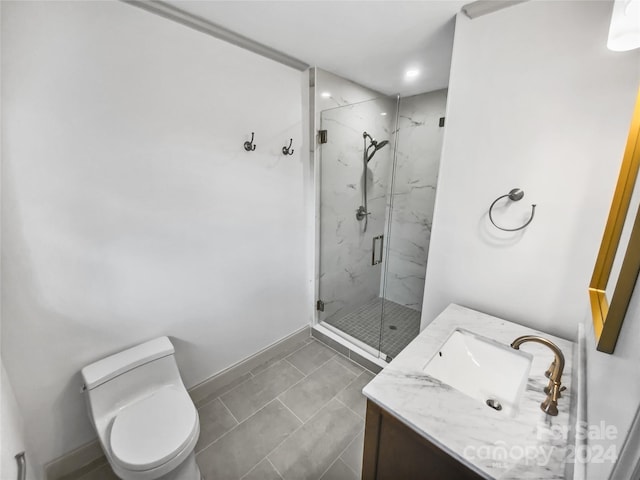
{"x":310,"y":394}
{"x":101,"y":473}
{"x":250,"y":396}
{"x":311,"y":450}
{"x":366,"y":363}
{"x":228,"y":450}
{"x":310,"y":357}
{"x":222,"y":390}
{"x":80,"y":473}
{"x":215,"y":421}
{"x":352,"y":456}
{"x":279,"y":357}
{"x":241,"y":449}
{"x":339,"y":471}
{"x":263,"y":471}
{"x":352,"y":395}
{"x":349,"y":364}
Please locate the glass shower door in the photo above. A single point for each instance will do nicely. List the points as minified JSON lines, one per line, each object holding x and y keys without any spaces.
{"x":412,"y":196}
{"x":372,"y":266}
{"x":355,"y":176}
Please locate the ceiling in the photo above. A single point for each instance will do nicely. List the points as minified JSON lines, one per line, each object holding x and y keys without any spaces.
{"x":370,"y":42}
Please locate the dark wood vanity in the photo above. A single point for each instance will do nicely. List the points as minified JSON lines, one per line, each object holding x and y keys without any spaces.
{"x":393,"y":451}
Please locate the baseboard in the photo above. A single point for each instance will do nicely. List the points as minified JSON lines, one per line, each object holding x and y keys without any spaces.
{"x":76,"y":463}
{"x":90,"y":456}
{"x":225,"y":380}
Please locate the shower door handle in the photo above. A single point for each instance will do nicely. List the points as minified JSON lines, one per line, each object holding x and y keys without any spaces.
{"x":375,"y":261}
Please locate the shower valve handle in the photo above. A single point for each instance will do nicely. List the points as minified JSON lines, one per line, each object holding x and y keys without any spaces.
{"x":361,"y":213}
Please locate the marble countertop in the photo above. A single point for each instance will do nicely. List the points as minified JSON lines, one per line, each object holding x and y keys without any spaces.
{"x":528,"y":445}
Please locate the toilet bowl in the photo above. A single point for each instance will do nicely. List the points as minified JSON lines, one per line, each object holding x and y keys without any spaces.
{"x":146,"y":422}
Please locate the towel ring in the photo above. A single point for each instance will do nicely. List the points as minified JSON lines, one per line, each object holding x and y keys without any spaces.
{"x":514,"y":195}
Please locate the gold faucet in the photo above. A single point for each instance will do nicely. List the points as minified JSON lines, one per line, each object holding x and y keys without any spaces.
{"x":554,"y":372}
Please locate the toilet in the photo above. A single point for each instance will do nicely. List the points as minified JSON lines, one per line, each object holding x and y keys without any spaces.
{"x":147,"y":424}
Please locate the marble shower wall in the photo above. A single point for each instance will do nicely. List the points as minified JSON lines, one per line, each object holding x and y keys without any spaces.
{"x":347,"y":278}
{"x":414,"y":191}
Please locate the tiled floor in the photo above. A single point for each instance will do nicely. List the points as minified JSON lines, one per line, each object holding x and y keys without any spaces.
{"x":297,"y":417}
{"x":401,"y":325}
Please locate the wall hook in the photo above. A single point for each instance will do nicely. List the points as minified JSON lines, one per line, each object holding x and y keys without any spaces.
{"x":514,"y":195}
{"x":288,"y":150}
{"x":249,"y":146}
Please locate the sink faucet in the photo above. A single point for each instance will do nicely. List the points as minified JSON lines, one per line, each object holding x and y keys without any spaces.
{"x":554,"y":373}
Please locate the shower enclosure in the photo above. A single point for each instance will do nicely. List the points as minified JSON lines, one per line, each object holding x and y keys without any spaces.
{"x":378,"y":169}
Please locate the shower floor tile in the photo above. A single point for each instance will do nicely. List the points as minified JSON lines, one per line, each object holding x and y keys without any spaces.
{"x":274,"y":442}
{"x":401,"y":325}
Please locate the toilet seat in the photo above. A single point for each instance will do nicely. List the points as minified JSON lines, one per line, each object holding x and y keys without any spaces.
{"x":152,"y":431}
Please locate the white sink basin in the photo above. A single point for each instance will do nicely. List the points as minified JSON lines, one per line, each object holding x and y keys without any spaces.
{"x":483,"y":369}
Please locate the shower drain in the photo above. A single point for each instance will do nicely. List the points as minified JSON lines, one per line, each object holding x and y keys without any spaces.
{"x":392,"y":327}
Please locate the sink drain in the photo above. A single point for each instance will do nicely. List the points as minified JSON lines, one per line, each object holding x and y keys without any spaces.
{"x":494,"y":404}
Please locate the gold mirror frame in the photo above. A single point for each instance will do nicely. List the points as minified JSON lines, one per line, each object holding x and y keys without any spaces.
{"x":608,"y":316}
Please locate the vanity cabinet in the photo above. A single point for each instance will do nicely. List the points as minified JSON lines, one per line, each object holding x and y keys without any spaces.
{"x":393,"y":451}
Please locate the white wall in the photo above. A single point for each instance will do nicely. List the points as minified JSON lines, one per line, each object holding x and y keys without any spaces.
{"x":129,"y":206}
{"x":536,"y":101}
{"x":12,"y":434}
{"x":12,"y":437}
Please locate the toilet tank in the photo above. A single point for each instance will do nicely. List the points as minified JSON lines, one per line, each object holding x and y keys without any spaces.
{"x":123,"y":378}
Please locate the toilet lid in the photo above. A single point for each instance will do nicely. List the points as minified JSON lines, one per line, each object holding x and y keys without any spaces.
{"x":151,"y":431}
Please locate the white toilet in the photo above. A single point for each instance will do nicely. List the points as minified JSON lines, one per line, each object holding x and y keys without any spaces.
{"x":147,"y":424}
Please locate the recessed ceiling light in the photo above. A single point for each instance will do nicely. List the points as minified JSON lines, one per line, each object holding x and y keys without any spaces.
{"x":413,"y":73}
{"x":325,"y":94}
{"x":383,"y":113}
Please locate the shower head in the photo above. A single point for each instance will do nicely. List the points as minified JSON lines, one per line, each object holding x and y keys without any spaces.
{"x":376,"y":146}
